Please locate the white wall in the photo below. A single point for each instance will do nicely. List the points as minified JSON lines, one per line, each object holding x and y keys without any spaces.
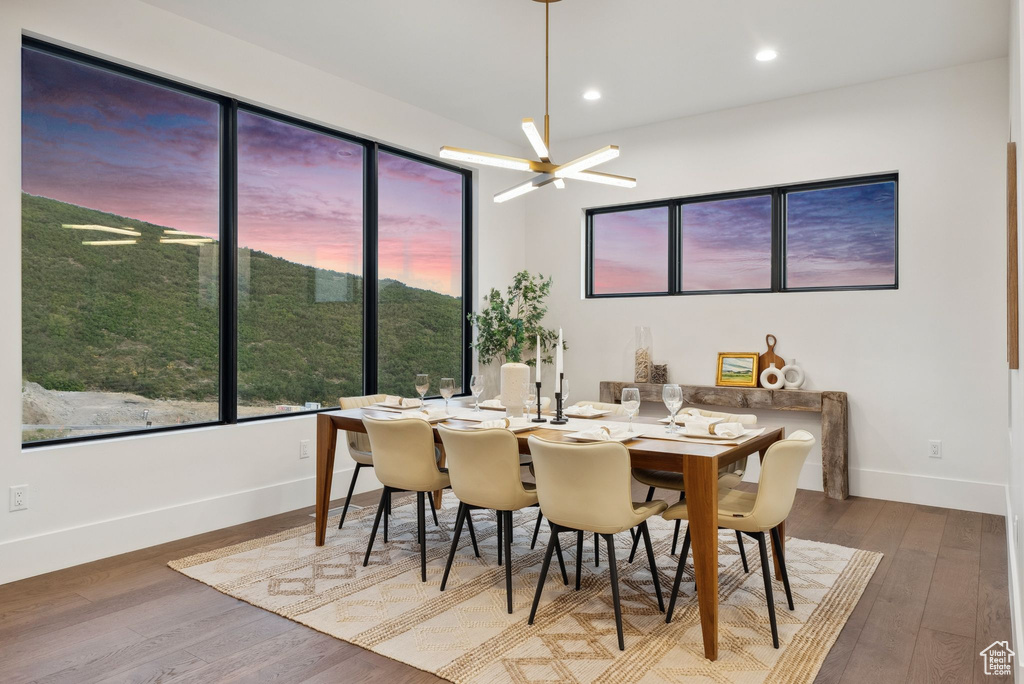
{"x":101,"y":498}
{"x":922,"y":362}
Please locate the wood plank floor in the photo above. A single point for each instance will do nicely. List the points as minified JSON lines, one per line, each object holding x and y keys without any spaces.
{"x":939,"y":596}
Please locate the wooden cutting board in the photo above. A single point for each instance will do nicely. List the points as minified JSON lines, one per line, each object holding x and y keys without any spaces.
{"x":768,"y":358}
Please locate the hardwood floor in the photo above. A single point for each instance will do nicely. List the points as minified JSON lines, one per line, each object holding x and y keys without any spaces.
{"x":939,"y":596}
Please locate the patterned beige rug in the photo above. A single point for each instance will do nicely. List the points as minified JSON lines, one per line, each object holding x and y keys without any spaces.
{"x":465,"y":634}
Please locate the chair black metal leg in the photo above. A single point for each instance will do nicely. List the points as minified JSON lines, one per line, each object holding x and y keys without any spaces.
{"x":743,"y":551}
{"x":497,"y":514}
{"x":387,"y":513}
{"x":558,"y":552}
{"x":433,"y":510}
{"x":597,"y":552}
{"x":613,"y":571}
{"x":552,"y":542}
{"x":636,"y":536}
{"x":654,"y":566}
{"x":506,"y":517}
{"x":421,"y":534}
{"x":472,"y":532}
{"x":376,"y":522}
{"x":675,"y":533}
{"x":777,"y":549}
{"x":536,"y":529}
{"x":460,"y":517}
{"x":348,"y":499}
{"x":579,"y":558}
{"x":766,"y":570}
{"x":679,"y":574}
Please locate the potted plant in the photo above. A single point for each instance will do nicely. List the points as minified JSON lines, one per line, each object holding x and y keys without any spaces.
{"x":508,"y":325}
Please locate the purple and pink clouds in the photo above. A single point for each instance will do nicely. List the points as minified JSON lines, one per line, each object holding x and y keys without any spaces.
{"x":727,"y":244}
{"x":631,"y":251}
{"x":109,"y":142}
{"x":841,"y":236}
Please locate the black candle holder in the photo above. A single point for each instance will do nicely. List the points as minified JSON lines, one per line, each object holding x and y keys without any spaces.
{"x":559,"y":418}
{"x":538,"y":419}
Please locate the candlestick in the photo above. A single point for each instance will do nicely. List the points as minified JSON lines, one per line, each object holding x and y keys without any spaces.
{"x":538,"y":419}
{"x":559,"y":418}
{"x":558,"y":364}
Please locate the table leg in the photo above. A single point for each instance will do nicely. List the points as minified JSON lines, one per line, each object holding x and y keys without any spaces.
{"x":326,"y":443}
{"x":438,"y":492}
{"x":701,"y":476}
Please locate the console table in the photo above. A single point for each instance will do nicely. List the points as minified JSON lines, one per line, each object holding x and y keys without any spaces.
{"x":833,"y":407}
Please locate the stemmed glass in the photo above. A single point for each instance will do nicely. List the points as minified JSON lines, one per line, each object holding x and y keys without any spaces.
{"x":447,"y":391}
{"x":631,"y":403}
{"x":529,"y":401}
{"x":672,"y":395}
{"x":476,"y":385}
{"x":422,"y":385}
{"x":565,"y":392}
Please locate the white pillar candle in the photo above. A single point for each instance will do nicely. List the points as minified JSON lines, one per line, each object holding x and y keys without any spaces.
{"x":558,"y":363}
{"x":538,"y":359}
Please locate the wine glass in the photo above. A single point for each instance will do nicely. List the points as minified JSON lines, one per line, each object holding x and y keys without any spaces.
{"x":631,"y":403}
{"x":422,"y":385}
{"x":476,"y":385}
{"x":529,"y":401}
{"x":447,"y":391}
{"x":672,"y":395}
{"x":565,"y":392}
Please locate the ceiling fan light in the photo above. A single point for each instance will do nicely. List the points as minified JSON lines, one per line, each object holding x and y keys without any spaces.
{"x":604,"y":178}
{"x":534,"y":136}
{"x":515,"y":191}
{"x":596,"y":157}
{"x":560,"y":183}
{"x":485,"y":158}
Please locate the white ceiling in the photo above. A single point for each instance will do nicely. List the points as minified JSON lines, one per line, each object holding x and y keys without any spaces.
{"x":481,"y":62}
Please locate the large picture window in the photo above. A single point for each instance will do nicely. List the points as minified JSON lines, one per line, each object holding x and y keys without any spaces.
{"x":830,"y":235}
{"x":188,"y":260}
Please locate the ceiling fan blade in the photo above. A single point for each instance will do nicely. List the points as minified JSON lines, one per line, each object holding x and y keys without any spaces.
{"x":486,"y":158}
{"x":594,"y":158}
{"x":536,"y":140}
{"x":524,"y":187}
{"x":605,"y":178}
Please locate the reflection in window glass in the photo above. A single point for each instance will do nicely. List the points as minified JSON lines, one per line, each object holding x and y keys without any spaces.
{"x":843,"y":236}
{"x":630,"y":251}
{"x":419,"y":261}
{"x":727,"y":244}
{"x":300,"y":232}
{"x":120,"y":222}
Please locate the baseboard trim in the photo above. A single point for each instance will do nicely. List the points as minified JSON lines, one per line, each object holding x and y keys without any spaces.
{"x":49,"y":551}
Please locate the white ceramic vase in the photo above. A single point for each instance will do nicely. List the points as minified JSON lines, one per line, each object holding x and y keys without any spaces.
{"x":793,"y":375}
{"x":515,"y":380}
{"x":772,"y":372}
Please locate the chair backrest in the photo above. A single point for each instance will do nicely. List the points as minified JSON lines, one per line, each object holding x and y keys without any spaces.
{"x":616,"y":409}
{"x":742,"y":418}
{"x":584,"y":486}
{"x":780,"y":472}
{"x":484,"y":468}
{"x":357,"y":441}
{"x":403,"y":452}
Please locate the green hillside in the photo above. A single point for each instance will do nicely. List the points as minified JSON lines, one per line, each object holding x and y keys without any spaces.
{"x":142,"y":318}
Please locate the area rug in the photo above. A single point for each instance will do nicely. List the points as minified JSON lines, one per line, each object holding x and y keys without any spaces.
{"x":464,"y":634}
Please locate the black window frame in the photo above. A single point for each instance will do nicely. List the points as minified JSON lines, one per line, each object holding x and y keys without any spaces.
{"x":228,"y":241}
{"x":778,"y":196}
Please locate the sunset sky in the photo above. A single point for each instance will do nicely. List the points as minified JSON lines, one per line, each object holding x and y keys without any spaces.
{"x":631,"y":251}
{"x":727,"y":244}
{"x":107,"y":142}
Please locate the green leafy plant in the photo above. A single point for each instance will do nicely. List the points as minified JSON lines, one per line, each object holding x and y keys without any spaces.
{"x":508,"y":325}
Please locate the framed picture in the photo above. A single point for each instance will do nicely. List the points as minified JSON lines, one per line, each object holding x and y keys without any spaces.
{"x":736,"y":369}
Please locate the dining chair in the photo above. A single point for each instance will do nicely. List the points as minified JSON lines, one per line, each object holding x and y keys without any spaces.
{"x":587,"y":488}
{"x":754,"y":514}
{"x":404,"y":461}
{"x":483,"y":466}
{"x":359,"y":449}
{"x":728,"y":476}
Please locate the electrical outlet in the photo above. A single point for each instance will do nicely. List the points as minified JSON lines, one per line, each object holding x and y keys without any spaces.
{"x":935,"y":448}
{"x":304,"y":448}
{"x":19,"y":497}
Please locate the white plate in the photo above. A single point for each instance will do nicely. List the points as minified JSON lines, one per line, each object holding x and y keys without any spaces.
{"x":681,"y":420}
{"x":685,"y":433}
{"x":392,"y":407}
{"x":573,"y":414}
{"x":624,"y":437}
{"x":513,"y":428}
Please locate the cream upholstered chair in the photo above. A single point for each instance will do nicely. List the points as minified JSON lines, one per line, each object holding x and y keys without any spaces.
{"x":754,"y":514}
{"x":483,"y":466}
{"x":587,"y":488}
{"x":729,"y":476}
{"x":404,"y":461}
{"x":358,"y":445}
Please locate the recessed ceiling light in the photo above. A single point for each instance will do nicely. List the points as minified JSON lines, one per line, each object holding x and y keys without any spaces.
{"x":592,"y":95}
{"x":766,"y":55}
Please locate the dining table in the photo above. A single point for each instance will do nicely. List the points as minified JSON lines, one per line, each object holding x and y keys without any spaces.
{"x":698,"y":461}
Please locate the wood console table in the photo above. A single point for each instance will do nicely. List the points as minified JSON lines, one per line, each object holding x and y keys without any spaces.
{"x":833,"y":407}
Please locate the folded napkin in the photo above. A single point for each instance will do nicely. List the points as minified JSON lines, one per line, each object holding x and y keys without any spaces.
{"x":603,"y":433}
{"x":428,"y":413}
{"x":584,"y":410}
{"x":398,"y":402}
{"x":392,"y":400}
{"x":693,"y":416}
{"x":499,"y":423}
{"x":491,"y":403}
{"x":727,"y":430}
